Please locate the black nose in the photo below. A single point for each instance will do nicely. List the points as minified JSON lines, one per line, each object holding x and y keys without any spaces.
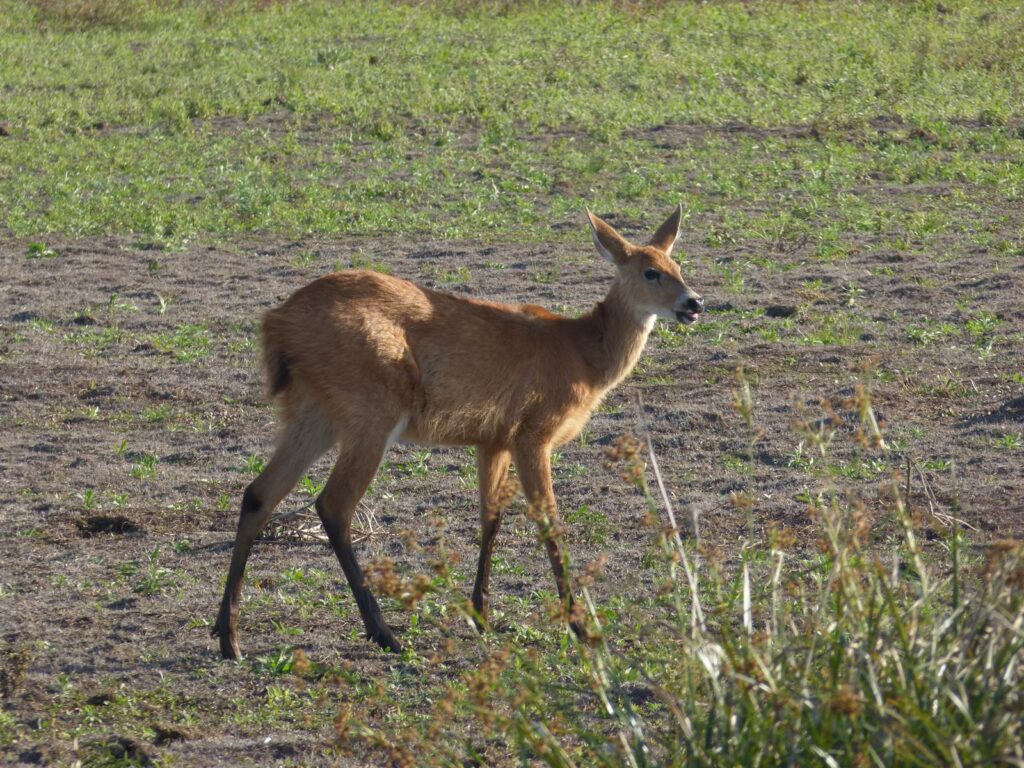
{"x":695,"y":304}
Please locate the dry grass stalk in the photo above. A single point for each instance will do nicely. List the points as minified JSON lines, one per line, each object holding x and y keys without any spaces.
{"x":303,"y":524}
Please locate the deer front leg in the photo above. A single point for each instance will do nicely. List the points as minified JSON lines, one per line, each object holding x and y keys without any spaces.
{"x":492,"y":471}
{"x":534,"y":465}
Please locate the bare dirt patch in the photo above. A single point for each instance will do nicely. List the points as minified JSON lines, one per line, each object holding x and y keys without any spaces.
{"x":133,"y":417}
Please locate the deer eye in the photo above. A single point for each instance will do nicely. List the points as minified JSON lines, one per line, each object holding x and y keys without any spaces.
{"x":652,"y":274}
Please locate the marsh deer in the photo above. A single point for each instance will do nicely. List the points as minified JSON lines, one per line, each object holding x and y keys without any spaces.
{"x":361,"y":360}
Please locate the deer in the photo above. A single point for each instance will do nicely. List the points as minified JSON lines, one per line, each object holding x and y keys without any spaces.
{"x":359,"y":361}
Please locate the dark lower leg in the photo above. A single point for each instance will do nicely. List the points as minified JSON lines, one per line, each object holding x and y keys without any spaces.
{"x":305,"y":437}
{"x":341,"y":541}
{"x":535,"y":472}
{"x":562,"y":582}
{"x":250,"y":521}
{"x":492,"y":473}
{"x":483,"y":569}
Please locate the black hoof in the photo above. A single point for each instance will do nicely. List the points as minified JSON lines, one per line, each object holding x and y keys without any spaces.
{"x":479,"y":613}
{"x":229,"y":648}
{"x":479,"y":617}
{"x":386,"y":640}
{"x":228,"y":644}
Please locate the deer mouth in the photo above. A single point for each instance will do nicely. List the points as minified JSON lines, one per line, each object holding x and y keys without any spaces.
{"x":686,"y":316}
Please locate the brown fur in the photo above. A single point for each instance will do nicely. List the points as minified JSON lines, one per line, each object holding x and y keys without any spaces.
{"x":363,"y":359}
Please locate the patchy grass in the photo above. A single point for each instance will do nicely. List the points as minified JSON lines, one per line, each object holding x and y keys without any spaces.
{"x":298,"y":118}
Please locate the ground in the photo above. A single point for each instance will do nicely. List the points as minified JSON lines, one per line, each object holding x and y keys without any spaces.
{"x":134,"y":416}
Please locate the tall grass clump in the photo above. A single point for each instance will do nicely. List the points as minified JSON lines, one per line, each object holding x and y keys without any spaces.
{"x":853,"y":649}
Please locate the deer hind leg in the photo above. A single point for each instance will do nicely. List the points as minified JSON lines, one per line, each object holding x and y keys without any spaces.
{"x":534,"y":465}
{"x":357,"y":464}
{"x":492,"y":470}
{"x":305,"y":437}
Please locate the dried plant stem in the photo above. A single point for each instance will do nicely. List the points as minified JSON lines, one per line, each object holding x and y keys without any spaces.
{"x":304,"y":524}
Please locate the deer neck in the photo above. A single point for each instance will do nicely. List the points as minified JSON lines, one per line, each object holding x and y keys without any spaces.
{"x":620,"y":335}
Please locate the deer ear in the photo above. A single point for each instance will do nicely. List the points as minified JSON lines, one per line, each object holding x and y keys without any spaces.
{"x":610,"y":244}
{"x":667,"y":233}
